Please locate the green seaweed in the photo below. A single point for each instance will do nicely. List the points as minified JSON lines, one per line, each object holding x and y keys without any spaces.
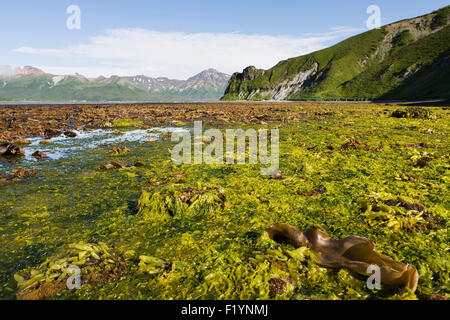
{"x":207,"y":222}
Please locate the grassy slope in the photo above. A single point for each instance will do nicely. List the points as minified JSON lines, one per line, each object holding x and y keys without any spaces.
{"x":41,"y":88}
{"x":337,"y":64}
{"x":382,"y":79}
{"x":347,"y":71}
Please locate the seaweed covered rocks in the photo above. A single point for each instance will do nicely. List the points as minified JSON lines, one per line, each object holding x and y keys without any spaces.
{"x":173,"y":200}
{"x":413,"y":113}
{"x":9,"y":149}
{"x":217,"y":245}
{"x":95,"y":263}
{"x":119,"y":150}
{"x":39,"y":155}
{"x":52,"y":133}
{"x":113,"y":165}
{"x":20,"y":140}
{"x":16,"y":175}
{"x":397,"y":213}
{"x":153,"y":265}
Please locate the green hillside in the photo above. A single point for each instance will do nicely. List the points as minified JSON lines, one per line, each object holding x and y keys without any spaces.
{"x":41,"y":88}
{"x":47,"y":87}
{"x":405,"y":60}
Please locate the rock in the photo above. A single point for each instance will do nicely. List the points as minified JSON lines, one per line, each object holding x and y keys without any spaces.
{"x":21,"y":173}
{"x":315,"y":192}
{"x":118,"y":151}
{"x":423,"y":145}
{"x":4,"y":180}
{"x":9,"y":149}
{"x":423,"y":162}
{"x":277,"y":287}
{"x":45,"y":141}
{"x":277,"y":175}
{"x":51,"y":133}
{"x":70,"y":134}
{"x":354,"y":144}
{"x":16,"y":175}
{"x":113,"y":165}
{"x":39,"y":155}
{"x":21,"y":141}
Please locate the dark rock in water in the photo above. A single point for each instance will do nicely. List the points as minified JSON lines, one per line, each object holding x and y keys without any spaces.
{"x":9,"y":149}
{"x":118,"y":151}
{"x":16,"y":175}
{"x":51,"y":133}
{"x":39,"y":155}
{"x":5,"y":180}
{"x":70,"y":134}
{"x":21,"y":173}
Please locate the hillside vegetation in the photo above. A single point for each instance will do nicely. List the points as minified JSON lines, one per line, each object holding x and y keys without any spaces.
{"x":208,"y":85}
{"x":408,"y":59}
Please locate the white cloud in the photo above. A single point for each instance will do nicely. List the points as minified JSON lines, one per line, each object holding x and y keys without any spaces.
{"x":180,"y":55}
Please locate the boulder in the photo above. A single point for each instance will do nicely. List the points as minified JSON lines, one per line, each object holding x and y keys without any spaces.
{"x":70,"y":134}
{"x":51,"y":133}
{"x":39,"y":155}
{"x":113,"y":165}
{"x":21,"y":141}
{"x":9,"y":149}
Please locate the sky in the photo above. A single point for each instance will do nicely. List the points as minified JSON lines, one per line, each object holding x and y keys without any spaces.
{"x":180,"y":38}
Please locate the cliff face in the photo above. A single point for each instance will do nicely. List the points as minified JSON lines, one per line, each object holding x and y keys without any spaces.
{"x":408,"y":59}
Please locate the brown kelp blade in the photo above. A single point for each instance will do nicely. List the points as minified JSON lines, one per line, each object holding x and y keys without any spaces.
{"x":354,"y":252}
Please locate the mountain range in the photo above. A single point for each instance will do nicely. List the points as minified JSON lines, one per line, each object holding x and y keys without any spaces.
{"x":32,"y":84}
{"x":405,"y":60}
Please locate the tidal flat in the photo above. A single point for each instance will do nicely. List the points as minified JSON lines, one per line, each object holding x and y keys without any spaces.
{"x":152,"y":229}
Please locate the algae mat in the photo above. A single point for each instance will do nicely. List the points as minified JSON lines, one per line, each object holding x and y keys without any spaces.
{"x":157,"y":230}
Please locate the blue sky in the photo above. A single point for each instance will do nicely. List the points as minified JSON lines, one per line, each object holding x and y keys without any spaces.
{"x":177,"y":38}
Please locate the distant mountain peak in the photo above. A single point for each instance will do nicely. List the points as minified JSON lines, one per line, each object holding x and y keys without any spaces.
{"x":209,"y":75}
{"x":28,"y":70}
